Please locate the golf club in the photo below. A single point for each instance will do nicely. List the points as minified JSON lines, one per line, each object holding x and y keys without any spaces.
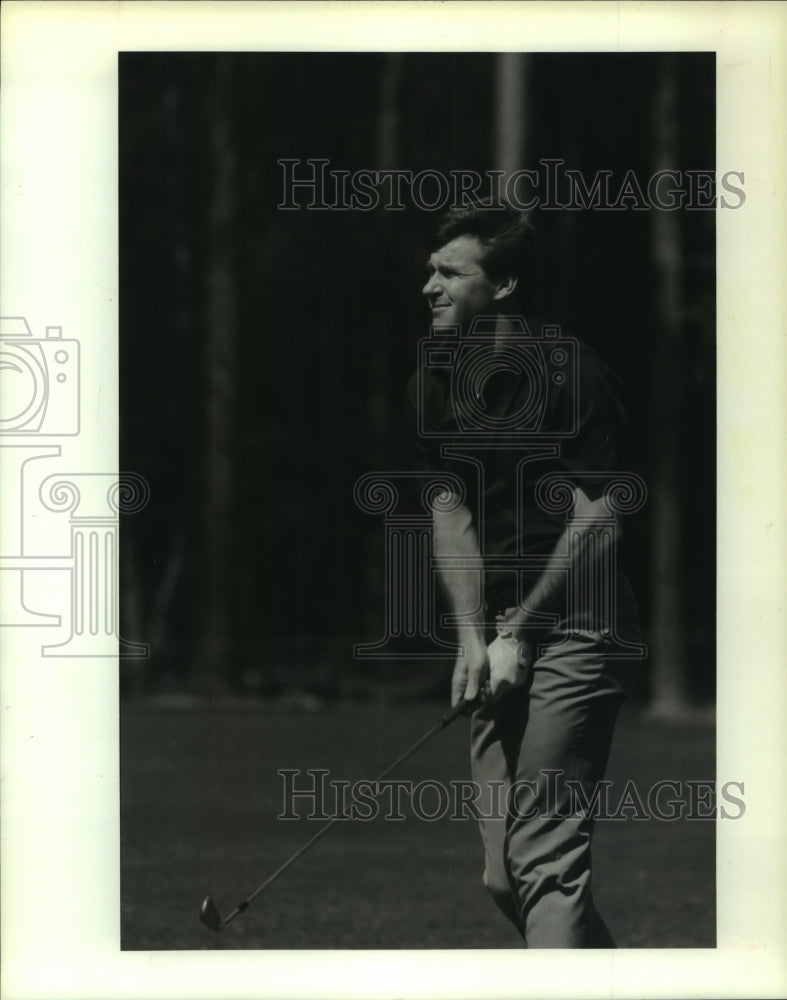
{"x":209,"y":913}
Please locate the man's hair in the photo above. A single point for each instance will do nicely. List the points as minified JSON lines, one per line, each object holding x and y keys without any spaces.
{"x":505,"y":234}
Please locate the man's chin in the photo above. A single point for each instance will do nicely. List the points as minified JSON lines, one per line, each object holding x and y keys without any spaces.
{"x":442,"y":317}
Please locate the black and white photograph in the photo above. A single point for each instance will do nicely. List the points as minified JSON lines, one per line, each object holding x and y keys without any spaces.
{"x":310,"y":247}
{"x":416,"y":568}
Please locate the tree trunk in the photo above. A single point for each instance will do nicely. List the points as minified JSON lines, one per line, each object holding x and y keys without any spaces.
{"x":667,"y":645}
{"x":511,"y":119}
{"x":220,"y":361}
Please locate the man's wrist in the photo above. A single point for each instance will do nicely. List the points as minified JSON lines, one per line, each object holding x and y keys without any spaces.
{"x":529,"y":625}
{"x":516,"y":626}
{"x":472,"y":637}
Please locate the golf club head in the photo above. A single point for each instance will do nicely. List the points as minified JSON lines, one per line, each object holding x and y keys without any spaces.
{"x":209,"y":915}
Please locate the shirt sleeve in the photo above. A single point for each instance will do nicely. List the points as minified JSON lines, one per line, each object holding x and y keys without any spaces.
{"x":424,"y":408}
{"x":590,"y":406}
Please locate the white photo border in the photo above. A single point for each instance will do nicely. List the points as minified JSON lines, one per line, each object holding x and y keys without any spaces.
{"x":59,"y":253}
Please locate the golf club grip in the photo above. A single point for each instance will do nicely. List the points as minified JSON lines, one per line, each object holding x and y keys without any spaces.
{"x":461,"y":708}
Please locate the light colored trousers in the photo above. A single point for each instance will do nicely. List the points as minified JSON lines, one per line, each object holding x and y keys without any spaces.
{"x":537,"y":852}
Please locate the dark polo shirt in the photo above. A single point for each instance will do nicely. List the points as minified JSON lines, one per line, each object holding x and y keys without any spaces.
{"x":500,"y":420}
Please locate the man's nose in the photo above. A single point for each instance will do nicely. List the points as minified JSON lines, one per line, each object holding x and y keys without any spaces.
{"x":432,"y":286}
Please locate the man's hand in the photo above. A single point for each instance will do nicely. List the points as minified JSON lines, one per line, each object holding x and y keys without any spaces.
{"x":510,"y":665}
{"x":470,"y":672}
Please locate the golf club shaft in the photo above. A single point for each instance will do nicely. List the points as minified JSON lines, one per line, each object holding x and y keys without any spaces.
{"x":458,"y":709}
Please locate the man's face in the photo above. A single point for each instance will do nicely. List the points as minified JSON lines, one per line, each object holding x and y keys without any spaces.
{"x":457,"y":288}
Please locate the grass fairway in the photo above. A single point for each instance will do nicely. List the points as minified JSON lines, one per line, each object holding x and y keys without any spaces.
{"x":200,"y":796}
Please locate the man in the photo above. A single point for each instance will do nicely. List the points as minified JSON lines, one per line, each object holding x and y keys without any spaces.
{"x":508,"y":415}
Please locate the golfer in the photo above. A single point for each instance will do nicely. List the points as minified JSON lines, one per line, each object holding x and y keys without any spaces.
{"x":503,"y":407}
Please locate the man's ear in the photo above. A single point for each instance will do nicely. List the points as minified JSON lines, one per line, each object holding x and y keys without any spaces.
{"x":505,"y":287}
